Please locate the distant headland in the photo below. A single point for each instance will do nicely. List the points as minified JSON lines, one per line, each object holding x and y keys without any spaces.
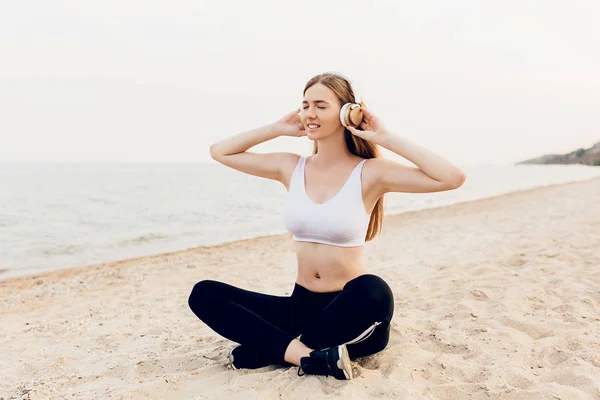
{"x":589,"y":156}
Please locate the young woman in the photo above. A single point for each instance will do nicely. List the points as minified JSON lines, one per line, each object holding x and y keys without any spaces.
{"x":337,"y":310}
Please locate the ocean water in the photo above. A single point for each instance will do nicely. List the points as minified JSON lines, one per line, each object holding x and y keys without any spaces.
{"x":55,"y":216}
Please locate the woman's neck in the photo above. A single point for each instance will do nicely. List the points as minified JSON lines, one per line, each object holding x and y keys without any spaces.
{"x":332,"y":149}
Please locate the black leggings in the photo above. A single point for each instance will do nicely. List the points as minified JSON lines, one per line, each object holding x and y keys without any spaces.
{"x":359,"y":315}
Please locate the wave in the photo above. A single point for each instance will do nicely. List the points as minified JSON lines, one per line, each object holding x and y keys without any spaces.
{"x":143,"y":239}
{"x":62,"y":250}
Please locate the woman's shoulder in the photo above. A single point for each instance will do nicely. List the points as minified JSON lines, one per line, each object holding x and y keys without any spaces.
{"x":290,"y":158}
{"x":289,"y":161}
{"x":372,"y":169}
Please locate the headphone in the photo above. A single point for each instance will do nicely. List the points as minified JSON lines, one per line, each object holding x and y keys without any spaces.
{"x":350,"y":113}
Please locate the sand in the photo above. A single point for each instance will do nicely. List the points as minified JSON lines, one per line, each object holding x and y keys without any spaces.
{"x":494,"y":299}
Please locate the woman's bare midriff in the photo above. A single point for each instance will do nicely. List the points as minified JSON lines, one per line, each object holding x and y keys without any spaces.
{"x":325,"y":268}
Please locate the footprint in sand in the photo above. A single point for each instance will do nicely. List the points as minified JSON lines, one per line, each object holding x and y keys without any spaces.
{"x":479,"y":295}
{"x":558,"y":357}
{"x":371,"y":362}
{"x":436,"y":344}
{"x":518,"y":381}
{"x":382,"y":362}
{"x":172,"y":364}
{"x":530,"y":330}
{"x":517,"y":261}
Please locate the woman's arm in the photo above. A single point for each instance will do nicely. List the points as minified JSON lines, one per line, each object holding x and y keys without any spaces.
{"x":243,"y":141}
{"x":233,"y":153}
{"x":434,"y":173}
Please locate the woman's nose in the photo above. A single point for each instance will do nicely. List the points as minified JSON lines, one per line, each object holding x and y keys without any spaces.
{"x":309,"y":113}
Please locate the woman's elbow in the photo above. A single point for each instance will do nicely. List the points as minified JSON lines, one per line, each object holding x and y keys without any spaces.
{"x":458,"y":180}
{"x":214,"y":151}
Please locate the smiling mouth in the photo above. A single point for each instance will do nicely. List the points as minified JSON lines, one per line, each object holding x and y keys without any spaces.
{"x":313,"y":126}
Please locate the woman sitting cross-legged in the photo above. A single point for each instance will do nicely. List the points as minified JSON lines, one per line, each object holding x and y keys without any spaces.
{"x":337,"y":311}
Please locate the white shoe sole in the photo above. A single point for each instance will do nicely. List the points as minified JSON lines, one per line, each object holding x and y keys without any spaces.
{"x":344,"y":362}
{"x":230,"y":357}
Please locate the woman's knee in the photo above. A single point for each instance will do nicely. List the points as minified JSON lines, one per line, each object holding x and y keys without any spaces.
{"x":372,"y":291}
{"x":200,"y":296}
{"x":369,"y":283}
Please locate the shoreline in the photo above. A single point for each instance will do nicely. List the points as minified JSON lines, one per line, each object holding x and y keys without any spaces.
{"x":114,"y":263}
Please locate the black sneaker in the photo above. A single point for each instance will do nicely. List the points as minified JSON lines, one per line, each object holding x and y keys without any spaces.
{"x":332,"y":361}
{"x":245,"y":357}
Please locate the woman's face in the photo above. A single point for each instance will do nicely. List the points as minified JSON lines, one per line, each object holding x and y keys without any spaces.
{"x":320,"y":107}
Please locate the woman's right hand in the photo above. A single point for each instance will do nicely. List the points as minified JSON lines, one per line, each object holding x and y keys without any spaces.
{"x":290,"y":125}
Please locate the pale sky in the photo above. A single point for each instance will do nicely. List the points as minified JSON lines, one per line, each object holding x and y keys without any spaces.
{"x":479,"y":82}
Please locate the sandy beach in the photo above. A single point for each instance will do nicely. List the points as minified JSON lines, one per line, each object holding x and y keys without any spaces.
{"x":494,"y":299}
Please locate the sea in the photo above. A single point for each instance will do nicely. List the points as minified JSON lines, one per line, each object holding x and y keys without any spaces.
{"x":58,"y":216}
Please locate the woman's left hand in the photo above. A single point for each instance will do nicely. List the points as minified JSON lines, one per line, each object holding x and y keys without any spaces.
{"x":372,"y":128}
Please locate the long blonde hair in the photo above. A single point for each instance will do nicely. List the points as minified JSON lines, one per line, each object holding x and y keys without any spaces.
{"x":357,"y":146}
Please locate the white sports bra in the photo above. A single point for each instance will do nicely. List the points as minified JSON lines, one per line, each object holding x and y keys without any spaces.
{"x":341,"y":221}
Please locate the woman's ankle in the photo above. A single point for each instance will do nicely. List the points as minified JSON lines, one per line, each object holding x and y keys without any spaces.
{"x":295,"y":351}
